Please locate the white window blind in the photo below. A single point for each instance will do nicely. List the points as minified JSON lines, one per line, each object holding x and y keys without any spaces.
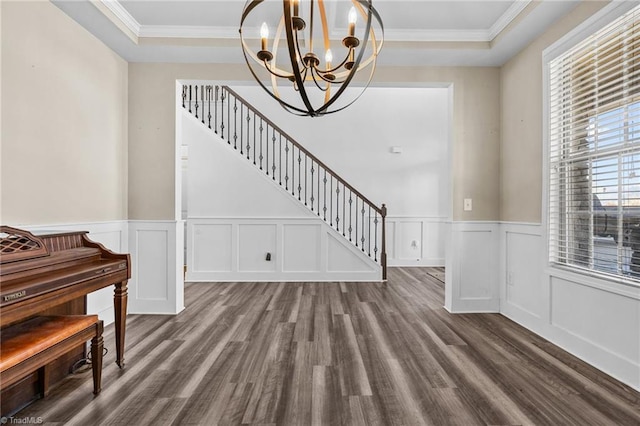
{"x":594,"y":152}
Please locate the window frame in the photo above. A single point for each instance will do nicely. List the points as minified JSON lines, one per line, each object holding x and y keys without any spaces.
{"x":605,"y":16}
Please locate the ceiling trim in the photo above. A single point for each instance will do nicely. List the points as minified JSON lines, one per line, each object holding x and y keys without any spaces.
{"x":505,"y":19}
{"x":436,"y":35}
{"x":123,"y":15}
{"x":207,"y":32}
{"x":191,"y":31}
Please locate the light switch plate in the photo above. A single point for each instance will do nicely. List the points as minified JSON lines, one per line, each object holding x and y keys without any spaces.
{"x":468,"y":204}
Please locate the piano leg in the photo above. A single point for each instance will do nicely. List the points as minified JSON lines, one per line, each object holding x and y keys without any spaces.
{"x":97,"y":345}
{"x":120,"y":307}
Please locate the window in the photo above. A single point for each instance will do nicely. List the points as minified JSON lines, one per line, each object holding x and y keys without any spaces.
{"x":594,"y":152}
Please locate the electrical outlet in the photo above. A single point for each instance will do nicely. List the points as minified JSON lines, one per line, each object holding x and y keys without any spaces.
{"x":468,"y":204}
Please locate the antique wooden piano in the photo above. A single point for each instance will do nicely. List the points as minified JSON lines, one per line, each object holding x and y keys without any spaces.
{"x":50,"y":273}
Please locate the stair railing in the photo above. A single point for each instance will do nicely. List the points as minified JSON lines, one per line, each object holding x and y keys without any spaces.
{"x":290,"y":165}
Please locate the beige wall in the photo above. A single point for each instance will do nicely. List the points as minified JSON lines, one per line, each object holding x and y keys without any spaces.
{"x":64,"y":120}
{"x":476,"y":138}
{"x":521,"y":145}
{"x":152,"y":115}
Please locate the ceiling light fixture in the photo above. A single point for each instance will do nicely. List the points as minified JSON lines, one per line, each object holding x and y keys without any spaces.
{"x":290,"y":55}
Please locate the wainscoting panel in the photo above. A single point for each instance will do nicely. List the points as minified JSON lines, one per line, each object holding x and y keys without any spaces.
{"x":415,"y":241}
{"x":257,"y":247}
{"x":211,"y":247}
{"x":341,"y":257}
{"x":524,"y":288}
{"x":595,"y":319}
{"x":474,"y":252}
{"x":114,"y":236}
{"x":156,"y":285}
{"x":603,"y":319}
{"x":151,"y":264}
{"x":300,"y":249}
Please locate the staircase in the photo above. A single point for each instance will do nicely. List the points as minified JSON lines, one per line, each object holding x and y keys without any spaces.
{"x":288,"y":164}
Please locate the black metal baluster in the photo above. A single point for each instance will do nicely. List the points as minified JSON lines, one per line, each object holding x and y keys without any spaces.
{"x":202,"y":99}
{"x":228,"y":118}
{"x":261,"y":157}
{"x":241,"y":130}
{"x":375,"y":236}
{"x":209,"y":96}
{"x":267,"y":149}
{"x":235,"y":123}
{"x":324,"y":181}
{"x":331,"y":200}
{"x":196,"y":101}
{"x":356,"y":221}
{"x":273,"y":155}
{"x":215,"y":111}
{"x":350,"y":213}
{"x":305,"y":178}
{"x":312,"y":197}
{"x":299,"y":179}
{"x":337,"y":205}
{"x":248,"y":136}
{"x":222,"y":97}
{"x":286,"y":164}
{"x":318,"y":210}
{"x":369,"y":232}
{"x":293,"y":170}
{"x":254,"y":137}
{"x":344,"y":208}
{"x":189,"y":98}
{"x":280,"y":158}
{"x":362,"y":238}
{"x":184,"y":95}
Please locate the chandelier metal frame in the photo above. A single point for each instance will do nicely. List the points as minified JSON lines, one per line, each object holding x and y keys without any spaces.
{"x":306,"y":73}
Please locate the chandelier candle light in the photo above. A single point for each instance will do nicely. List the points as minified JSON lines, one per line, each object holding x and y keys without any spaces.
{"x":311,"y":88}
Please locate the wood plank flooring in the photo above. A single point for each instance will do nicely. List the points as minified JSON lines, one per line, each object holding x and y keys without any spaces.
{"x":336,"y":354}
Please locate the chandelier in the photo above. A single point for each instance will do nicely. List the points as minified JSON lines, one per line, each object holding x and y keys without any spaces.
{"x":288,"y":65}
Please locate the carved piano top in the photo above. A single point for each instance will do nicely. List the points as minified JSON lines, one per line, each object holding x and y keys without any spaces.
{"x":51,"y":268}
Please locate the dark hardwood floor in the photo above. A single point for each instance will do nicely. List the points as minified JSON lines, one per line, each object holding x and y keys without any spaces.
{"x":337,"y":354}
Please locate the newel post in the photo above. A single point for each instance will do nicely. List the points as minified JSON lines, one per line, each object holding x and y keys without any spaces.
{"x":383,"y":254}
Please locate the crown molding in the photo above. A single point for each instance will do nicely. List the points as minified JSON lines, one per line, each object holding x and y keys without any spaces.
{"x":191,"y":31}
{"x":207,"y":32}
{"x":506,"y":18}
{"x":123,"y":15}
{"x":436,"y":35}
